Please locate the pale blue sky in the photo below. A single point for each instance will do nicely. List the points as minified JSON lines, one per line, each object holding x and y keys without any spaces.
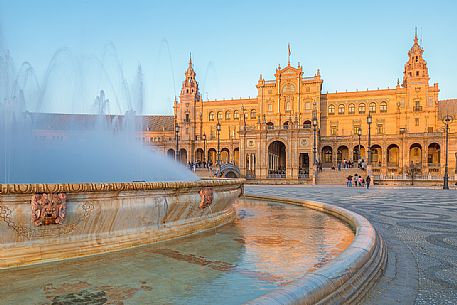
{"x":356,"y":44}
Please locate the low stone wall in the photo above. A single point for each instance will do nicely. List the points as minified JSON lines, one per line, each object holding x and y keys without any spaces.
{"x":346,"y":279}
{"x":73,"y":220}
{"x":422,"y":183}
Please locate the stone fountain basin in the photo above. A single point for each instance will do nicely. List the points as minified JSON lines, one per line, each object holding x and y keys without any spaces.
{"x":104,"y":217}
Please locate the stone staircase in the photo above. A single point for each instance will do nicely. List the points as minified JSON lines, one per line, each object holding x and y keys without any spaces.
{"x":335,"y":177}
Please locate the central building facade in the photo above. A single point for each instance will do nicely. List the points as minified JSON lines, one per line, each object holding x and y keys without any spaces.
{"x":292,"y":124}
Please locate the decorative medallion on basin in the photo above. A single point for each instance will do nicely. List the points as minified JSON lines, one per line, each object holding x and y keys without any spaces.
{"x":206,"y":195}
{"x":48,"y":208}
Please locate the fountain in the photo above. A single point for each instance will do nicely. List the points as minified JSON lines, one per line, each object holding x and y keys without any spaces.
{"x":76,"y":185}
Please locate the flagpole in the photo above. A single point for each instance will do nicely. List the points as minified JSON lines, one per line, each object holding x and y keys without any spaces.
{"x":288,"y":57}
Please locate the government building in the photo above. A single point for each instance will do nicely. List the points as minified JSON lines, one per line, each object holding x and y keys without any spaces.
{"x":291,"y":125}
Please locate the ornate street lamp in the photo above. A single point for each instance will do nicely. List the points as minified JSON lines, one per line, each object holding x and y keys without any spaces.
{"x":447,"y":120}
{"x":359,"y":133}
{"x":315,"y":137}
{"x":218,"y":129}
{"x":369,"y":121}
{"x":177,"y":141}
{"x":204,"y":149}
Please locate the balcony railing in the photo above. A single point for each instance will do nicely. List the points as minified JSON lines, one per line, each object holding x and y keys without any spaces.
{"x":417,"y":108}
{"x":276,"y":176}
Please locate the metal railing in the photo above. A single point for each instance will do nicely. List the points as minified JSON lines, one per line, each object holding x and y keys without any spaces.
{"x":417,"y":108}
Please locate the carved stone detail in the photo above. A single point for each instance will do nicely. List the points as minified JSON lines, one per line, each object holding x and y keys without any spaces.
{"x":6,"y":189}
{"x":48,"y":208}
{"x":206,"y":197}
{"x":6,"y":215}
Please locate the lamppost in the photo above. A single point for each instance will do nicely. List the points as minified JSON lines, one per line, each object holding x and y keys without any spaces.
{"x":447,"y":120}
{"x":369,"y":121}
{"x":315,"y":137}
{"x":204,"y":149}
{"x":359,"y":133}
{"x":177,"y":141}
{"x":218,"y":129}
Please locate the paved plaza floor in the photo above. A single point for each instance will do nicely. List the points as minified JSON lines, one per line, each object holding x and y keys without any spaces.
{"x":419,"y":227}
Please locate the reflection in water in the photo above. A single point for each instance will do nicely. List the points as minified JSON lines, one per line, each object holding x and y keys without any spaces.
{"x":268,"y":246}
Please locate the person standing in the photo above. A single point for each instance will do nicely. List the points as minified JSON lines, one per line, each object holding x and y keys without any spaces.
{"x":368,"y":182}
{"x":356,"y":179}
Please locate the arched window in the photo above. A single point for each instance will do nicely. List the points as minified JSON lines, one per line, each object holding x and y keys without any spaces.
{"x":288,"y":88}
{"x":227,"y":115}
{"x":288,"y":106}
{"x":253,"y":114}
{"x":373,"y":107}
{"x":383,"y":107}
{"x":331,"y":109}
{"x":236,"y":115}
{"x":307,"y":124}
{"x":351,"y":109}
{"x":219,"y":115}
{"x":362,"y":108}
{"x":341,"y":109}
{"x":211,"y":116}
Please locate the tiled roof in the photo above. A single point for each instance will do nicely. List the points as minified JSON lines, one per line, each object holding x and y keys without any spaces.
{"x":58,"y":121}
{"x":446,"y":107}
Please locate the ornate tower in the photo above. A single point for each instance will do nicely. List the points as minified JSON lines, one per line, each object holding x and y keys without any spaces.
{"x":416,"y":71}
{"x":186,"y":114}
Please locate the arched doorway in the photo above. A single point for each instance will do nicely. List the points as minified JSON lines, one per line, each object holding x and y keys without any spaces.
{"x":303,"y":169}
{"x":327,"y":156}
{"x":270,"y":125}
{"x":433,"y":158}
{"x":171,"y":153}
{"x":277,"y":160}
{"x":356,"y":155}
{"x":415,"y":154}
{"x":433,"y":154}
{"x":212,"y":156}
{"x":225,"y":155}
{"x":199,"y":155}
{"x":376,"y":155}
{"x":342,"y":154}
{"x":183,"y":155}
{"x":393,"y":155}
{"x":236,"y":156}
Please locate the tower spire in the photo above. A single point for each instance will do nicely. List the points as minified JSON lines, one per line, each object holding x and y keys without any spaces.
{"x":415,"y":35}
{"x":190,"y":59}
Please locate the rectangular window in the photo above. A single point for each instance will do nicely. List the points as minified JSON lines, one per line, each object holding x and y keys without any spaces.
{"x":417,"y":121}
{"x":334,"y":130}
{"x":380,"y":129}
{"x":430,"y":129}
{"x":356,"y":130}
{"x":307,"y":106}
{"x":270,"y":107}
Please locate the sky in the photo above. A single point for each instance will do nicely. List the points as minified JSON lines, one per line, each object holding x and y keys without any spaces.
{"x":355,"y":44}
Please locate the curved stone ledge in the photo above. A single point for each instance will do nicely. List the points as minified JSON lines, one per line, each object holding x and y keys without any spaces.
{"x":347,"y":278}
{"x":110,"y":187}
{"x":109,"y":217}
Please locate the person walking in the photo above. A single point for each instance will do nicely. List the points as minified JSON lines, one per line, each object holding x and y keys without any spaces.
{"x":356,"y":179}
{"x":368,"y":182}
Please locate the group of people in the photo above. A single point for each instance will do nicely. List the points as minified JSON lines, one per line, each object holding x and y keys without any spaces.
{"x":349,"y":164}
{"x":200,"y":164}
{"x":358,"y":181}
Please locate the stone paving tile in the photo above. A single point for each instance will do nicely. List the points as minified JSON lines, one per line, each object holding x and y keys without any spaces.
{"x":419,"y":226}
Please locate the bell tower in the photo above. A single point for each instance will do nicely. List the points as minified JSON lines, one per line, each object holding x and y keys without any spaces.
{"x":186,"y":114}
{"x":416,"y":71}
